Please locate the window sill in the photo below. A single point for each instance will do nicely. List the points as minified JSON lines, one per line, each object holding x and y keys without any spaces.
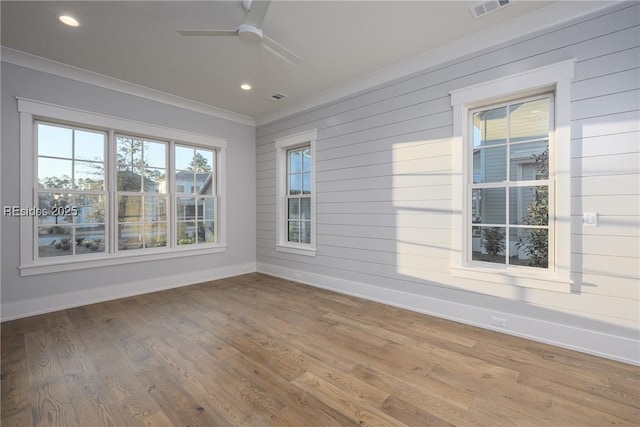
{"x":298,"y":250}
{"x":123,"y":257}
{"x":535,"y":280}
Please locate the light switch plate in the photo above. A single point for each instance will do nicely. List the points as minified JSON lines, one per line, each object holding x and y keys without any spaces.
{"x":590,"y":219}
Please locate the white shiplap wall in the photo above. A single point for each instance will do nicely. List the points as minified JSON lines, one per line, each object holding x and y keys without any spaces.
{"x":384,"y":199}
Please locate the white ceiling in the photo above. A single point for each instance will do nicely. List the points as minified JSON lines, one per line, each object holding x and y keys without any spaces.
{"x":339,"y":42}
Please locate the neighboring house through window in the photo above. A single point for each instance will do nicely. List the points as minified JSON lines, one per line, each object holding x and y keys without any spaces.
{"x":295,"y":209}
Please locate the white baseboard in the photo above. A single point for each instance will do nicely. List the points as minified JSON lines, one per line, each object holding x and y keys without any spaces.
{"x":32,"y":307}
{"x":587,"y":341}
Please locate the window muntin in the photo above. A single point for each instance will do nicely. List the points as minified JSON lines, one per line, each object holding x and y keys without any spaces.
{"x":196,"y":195}
{"x":509,"y":188}
{"x":69,"y":191}
{"x":298,"y":197}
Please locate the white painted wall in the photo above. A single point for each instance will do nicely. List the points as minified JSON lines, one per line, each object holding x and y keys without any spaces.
{"x":384,"y":199}
{"x":22,"y":296}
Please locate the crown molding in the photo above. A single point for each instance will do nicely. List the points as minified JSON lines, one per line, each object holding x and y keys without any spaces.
{"x":539,"y":20}
{"x":23,"y":59}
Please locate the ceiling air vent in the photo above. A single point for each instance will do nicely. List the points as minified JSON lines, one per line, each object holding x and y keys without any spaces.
{"x":278,"y":96}
{"x":487,"y":7}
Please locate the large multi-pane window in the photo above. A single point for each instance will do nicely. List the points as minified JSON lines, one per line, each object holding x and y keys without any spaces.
{"x":103,"y":192}
{"x":299,"y":195}
{"x":510,"y":191}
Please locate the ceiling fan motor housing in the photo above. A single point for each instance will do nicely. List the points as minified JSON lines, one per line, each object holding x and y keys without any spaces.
{"x":250,"y":34}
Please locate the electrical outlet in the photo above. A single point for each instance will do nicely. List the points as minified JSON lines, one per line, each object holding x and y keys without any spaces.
{"x":297,"y":276}
{"x":499,"y":321}
{"x":245,"y":268}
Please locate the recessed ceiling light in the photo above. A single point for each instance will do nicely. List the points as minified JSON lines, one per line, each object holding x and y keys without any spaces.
{"x":69,"y":20}
{"x":245,"y":86}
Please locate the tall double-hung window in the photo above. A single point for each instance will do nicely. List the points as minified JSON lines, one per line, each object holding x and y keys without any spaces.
{"x":510,"y":192}
{"x":70,"y":191}
{"x":295,"y":209}
{"x":96,"y":192}
{"x":511,"y":179}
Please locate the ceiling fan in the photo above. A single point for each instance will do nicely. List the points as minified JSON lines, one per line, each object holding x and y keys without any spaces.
{"x":250,"y":31}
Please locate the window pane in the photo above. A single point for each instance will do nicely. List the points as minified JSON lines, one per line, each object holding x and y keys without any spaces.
{"x":155,"y":209}
{"x":184,"y":157}
{"x":54,"y":240}
{"x":129,"y":208}
{"x":89,"y":146}
{"x":205,"y":183}
{"x":294,"y":231}
{"x":294,"y":208}
{"x":129,"y":236}
{"x":529,"y":120}
{"x":491,"y":247}
{"x":54,"y":141}
{"x":90,"y":239}
{"x":91,"y":208}
{"x":154,"y":180}
{"x":295,"y":161}
{"x":306,"y":160}
{"x":129,"y":150}
{"x":305,"y":208}
{"x":530,"y":247}
{"x":88,"y":175}
{"x":490,"y":164}
{"x":57,"y":206}
{"x":208,"y":209}
{"x":490,"y":127}
{"x":54,"y":173}
{"x":209,"y":232}
{"x":295,"y":183}
{"x":129,"y":179}
{"x":203,"y":161}
{"x":306,"y":183}
{"x":155,"y":154}
{"x":186,"y":233}
{"x":155,"y":235}
{"x":529,"y":205}
{"x":185,"y":208}
{"x":186,"y":181}
{"x":492,"y":205}
{"x":529,"y":161}
{"x":305,"y":233}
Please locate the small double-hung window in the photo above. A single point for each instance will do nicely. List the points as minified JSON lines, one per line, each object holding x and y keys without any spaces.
{"x":295,"y":209}
{"x":510,"y":191}
{"x":299,"y":195}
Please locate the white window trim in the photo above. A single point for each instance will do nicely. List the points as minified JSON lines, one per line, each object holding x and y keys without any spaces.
{"x":557,"y":78}
{"x":282,"y":145}
{"x":30,"y":109}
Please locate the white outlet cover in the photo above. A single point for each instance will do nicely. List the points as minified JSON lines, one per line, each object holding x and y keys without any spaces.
{"x":590,"y":219}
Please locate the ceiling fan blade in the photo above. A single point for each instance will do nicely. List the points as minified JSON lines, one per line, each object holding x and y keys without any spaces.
{"x":207,"y":33}
{"x":280,"y":50}
{"x":257,"y":11}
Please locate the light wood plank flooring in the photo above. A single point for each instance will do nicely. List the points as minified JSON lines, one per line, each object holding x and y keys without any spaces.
{"x":255,"y":350}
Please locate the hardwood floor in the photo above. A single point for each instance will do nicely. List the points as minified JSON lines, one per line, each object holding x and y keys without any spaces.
{"x":255,"y":350}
